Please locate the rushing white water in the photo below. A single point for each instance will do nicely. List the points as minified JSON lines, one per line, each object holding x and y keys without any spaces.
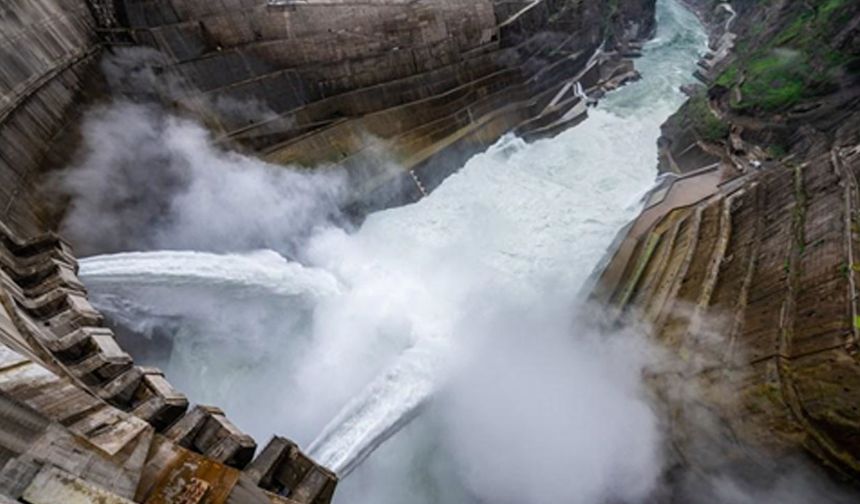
{"x":360,"y":336}
{"x":558,"y":212}
{"x":263,"y":271}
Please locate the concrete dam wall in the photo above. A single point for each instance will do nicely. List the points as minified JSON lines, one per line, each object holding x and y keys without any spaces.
{"x":431,"y":81}
{"x":49,"y":51}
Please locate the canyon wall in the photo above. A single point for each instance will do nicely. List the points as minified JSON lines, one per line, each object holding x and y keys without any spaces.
{"x":744,"y":262}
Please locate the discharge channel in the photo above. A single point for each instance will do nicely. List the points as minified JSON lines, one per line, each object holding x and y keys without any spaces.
{"x":342,"y":351}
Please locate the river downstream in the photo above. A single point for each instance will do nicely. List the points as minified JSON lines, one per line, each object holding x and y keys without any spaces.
{"x":433,"y":344}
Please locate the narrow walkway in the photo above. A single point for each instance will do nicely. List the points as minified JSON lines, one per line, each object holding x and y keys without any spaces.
{"x":522,"y":11}
{"x":683,"y":191}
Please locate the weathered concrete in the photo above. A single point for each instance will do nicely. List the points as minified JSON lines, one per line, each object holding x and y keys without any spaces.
{"x":59,"y":365}
{"x":49,"y":50}
{"x":428,"y":83}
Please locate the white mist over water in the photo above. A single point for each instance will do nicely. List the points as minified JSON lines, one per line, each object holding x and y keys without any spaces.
{"x":467,"y":294}
{"x":150,"y":180}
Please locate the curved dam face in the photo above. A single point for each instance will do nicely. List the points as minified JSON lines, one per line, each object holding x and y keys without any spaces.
{"x":50,"y":55}
{"x":303,"y":82}
{"x":428,"y":83}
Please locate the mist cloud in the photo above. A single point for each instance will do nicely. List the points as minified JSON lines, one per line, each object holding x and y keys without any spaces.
{"x":544,"y":414}
{"x":150,"y":180}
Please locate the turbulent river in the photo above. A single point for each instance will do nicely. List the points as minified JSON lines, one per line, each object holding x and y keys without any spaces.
{"x":429,"y":353}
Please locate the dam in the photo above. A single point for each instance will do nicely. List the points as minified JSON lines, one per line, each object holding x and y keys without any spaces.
{"x":381,"y":252}
{"x":440,"y":81}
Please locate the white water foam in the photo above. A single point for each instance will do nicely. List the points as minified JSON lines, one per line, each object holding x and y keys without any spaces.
{"x":542,"y":215}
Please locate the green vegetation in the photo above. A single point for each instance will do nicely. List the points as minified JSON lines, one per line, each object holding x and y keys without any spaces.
{"x":794,"y":30}
{"x":776,"y":80}
{"x":794,"y":64}
{"x":828,"y":7}
{"x":706,"y":124}
{"x":608,"y":24}
{"x":776,"y":151}
{"x":729,"y":77}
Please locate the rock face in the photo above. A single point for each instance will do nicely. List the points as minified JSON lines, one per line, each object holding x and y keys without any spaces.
{"x":746,"y":266}
{"x":298,"y":82}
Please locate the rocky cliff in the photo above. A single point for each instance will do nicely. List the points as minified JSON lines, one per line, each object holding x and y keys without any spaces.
{"x":296,"y":82}
{"x":744,"y":263}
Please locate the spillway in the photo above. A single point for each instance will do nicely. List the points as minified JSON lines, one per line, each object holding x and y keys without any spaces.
{"x":345,"y":347}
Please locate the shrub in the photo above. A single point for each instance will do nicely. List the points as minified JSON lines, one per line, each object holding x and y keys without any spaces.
{"x":776,"y":80}
{"x":706,"y":124}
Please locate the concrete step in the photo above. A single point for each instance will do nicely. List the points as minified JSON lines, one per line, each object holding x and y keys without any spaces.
{"x":282,"y":468}
{"x":206,"y":430}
